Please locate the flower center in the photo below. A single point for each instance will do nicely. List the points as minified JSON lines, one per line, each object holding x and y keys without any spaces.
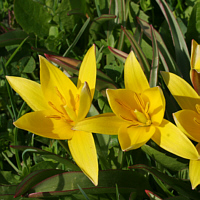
{"x":63,"y":111}
{"x":140,"y":116}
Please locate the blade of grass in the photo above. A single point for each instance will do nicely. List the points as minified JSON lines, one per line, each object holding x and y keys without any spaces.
{"x":83,"y":193}
{"x":10,"y":162}
{"x":155,"y":61}
{"x":168,"y":63}
{"x":77,"y":37}
{"x":11,"y":57}
{"x":140,"y":55}
{"x":122,"y":20}
{"x":181,"y":50}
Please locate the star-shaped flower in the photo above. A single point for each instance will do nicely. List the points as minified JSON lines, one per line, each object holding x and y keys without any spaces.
{"x":138,"y":112}
{"x":58,"y":105}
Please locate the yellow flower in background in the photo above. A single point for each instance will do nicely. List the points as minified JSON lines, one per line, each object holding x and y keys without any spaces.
{"x":138,"y":116}
{"x":58,"y":105}
{"x":188,"y":119}
{"x":195,"y":66}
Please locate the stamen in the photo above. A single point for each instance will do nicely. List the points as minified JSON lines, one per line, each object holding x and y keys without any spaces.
{"x":139,"y":101}
{"x":122,"y":104}
{"x":197,"y":106}
{"x":126,"y":118}
{"x":54,"y":107}
{"x":76,"y":103}
{"x":61,"y":96}
{"x":53,"y":116}
{"x":144,"y":108}
{"x":197,"y":120}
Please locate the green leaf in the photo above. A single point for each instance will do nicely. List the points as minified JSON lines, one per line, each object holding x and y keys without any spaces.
{"x":33,"y":17}
{"x":193,"y":29}
{"x":77,"y":37}
{"x":155,"y":61}
{"x":180,"y":186}
{"x":69,"y":165}
{"x":62,"y":16}
{"x":7,"y":189}
{"x":67,"y":183}
{"x":168,"y":63}
{"x":119,"y":54}
{"x":138,"y":51}
{"x":13,"y":37}
{"x":181,"y":50}
{"x":30,"y":66}
{"x":97,"y":24}
{"x":34,"y":178}
{"x":166,"y":161}
{"x":152,"y":196}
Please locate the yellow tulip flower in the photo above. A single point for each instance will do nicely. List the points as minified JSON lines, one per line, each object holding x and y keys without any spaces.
{"x":188,"y":119}
{"x":58,"y":105}
{"x":138,"y":116}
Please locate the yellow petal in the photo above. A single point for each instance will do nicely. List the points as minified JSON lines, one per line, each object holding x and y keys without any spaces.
{"x":84,"y":153}
{"x":187,"y":120}
{"x":30,"y":92}
{"x":107,"y":123}
{"x":170,"y":138}
{"x":122,"y":102}
{"x":194,"y":173}
{"x":184,"y":94}
{"x":194,"y":170}
{"x":134,"y":137}
{"x":195,"y":55}
{"x":163,"y":97}
{"x":156,"y":104}
{"x":84,"y":102}
{"x":87,"y":71}
{"x":134,"y":76}
{"x":56,"y":86}
{"x":40,"y":124}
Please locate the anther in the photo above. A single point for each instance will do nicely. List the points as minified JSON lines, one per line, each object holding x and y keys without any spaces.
{"x":197,"y":120}
{"x":122,"y":104}
{"x":54,"y":107}
{"x":53,"y":116}
{"x":60,"y":96}
{"x":197,"y":106}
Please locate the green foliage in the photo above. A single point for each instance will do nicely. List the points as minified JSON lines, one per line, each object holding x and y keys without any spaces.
{"x":155,"y":30}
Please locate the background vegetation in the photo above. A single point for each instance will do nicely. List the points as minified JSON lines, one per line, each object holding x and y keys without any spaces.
{"x":159,"y":32}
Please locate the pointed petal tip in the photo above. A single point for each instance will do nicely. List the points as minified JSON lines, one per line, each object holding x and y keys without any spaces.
{"x":95,"y":182}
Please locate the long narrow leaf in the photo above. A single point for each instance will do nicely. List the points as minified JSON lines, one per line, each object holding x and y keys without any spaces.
{"x":69,"y":165}
{"x":119,"y":54}
{"x":155,"y":61}
{"x":182,"y":54}
{"x":167,"y":60}
{"x":140,"y":55}
{"x":181,"y":187}
{"x":34,"y":178}
{"x":77,"y":37}
{"x":66,"y":183}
